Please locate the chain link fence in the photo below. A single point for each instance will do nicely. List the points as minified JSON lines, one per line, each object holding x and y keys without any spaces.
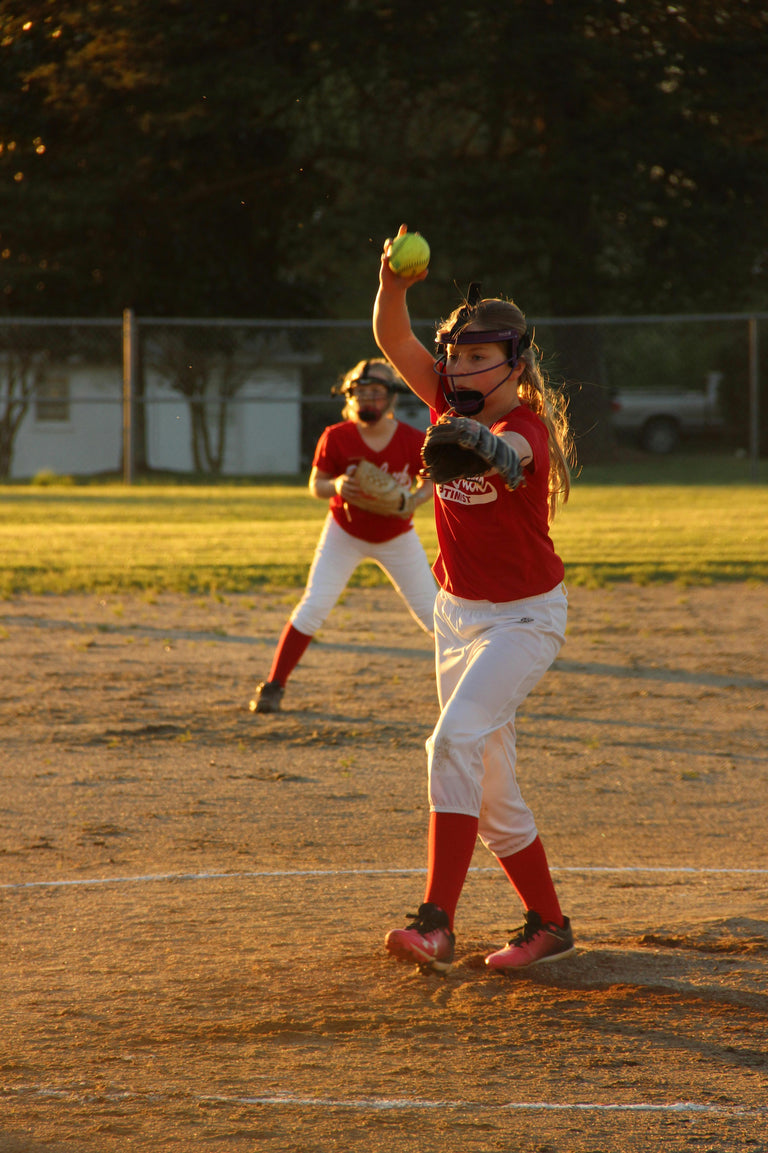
{"x":210,"y":398}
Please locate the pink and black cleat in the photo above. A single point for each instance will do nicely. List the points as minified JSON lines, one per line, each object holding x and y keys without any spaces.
{"x":535,"y":943}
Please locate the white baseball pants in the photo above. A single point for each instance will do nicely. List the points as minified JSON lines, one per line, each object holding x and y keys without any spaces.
{"x":338,"y":554}
{"x":488,"y":658}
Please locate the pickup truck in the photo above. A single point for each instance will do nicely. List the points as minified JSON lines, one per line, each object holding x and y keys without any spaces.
{"x":658,"y":420}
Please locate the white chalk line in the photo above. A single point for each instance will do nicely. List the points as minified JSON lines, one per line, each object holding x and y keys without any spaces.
{"x":381,"y":1104}
{"x":376,"y":1103}
{"x":147,"y":878}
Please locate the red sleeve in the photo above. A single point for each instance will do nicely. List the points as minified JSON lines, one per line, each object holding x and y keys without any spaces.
{"x":329,"y":456}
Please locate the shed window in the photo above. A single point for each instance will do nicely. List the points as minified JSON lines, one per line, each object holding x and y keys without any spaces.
{"x":52,"y":399}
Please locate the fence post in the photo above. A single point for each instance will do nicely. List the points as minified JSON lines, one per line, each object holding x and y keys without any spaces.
{"x":129,"y":378}
{"x":754,"y":401}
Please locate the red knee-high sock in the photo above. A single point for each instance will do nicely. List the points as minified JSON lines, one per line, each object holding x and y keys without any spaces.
{"x":451,"y":844}
{"x":528,"y":871}
{"x":290,"y":649}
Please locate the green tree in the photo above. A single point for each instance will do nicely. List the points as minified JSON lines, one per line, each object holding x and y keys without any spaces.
{"x":183,"y":158}
{"x":148,"y":157}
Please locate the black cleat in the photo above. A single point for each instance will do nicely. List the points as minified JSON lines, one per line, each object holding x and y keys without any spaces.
{"x":269,"y":694}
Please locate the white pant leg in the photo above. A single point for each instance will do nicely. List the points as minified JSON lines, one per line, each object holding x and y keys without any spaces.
{"x":405,"y":563}
{"x":489,"y":657}
{"x":506,"y":825}
{"x":337,"y":555}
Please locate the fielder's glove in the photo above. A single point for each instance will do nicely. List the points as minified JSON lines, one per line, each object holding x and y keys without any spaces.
{"x":381,"y":493}
{"x":458,"y":447}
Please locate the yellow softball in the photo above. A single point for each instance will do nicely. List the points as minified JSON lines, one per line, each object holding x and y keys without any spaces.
{"x":409,"y":254}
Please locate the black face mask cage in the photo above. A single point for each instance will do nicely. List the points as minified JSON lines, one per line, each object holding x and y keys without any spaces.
{"x":347,"y":389}
{"x":466,"y":401}
{"x":470,"y":401}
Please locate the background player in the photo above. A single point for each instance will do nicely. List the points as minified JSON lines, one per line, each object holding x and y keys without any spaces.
{"x":500,"y":613}
{"x":351,"y":534}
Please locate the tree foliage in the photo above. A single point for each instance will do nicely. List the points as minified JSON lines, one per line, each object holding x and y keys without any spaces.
{"x":183,"y":158}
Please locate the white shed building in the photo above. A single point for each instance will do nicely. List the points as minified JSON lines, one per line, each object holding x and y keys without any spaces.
{"x":74,"y":425}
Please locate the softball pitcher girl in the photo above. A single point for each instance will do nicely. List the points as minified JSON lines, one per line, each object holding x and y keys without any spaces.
{"x":500,"y":612}
{"x":352,"y":534}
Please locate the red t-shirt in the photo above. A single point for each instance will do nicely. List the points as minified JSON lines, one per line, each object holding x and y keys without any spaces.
{"x":342,"y":445}
{"x":495,"y":544}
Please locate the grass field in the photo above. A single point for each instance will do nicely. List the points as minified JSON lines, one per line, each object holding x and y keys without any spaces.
{"x":698,"y":521}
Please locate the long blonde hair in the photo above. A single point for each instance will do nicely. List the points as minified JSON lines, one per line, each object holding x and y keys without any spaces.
{"x":533,"y":388}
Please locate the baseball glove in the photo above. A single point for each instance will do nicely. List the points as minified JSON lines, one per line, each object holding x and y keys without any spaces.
{"x":381,"y":492}
{"x":459,"y":447}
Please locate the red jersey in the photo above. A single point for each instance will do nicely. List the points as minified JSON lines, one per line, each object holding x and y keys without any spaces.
{"x":342,"y":445}
{"x":495,"y":544}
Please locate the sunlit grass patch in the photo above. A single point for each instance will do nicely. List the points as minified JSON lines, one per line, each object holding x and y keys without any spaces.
{"x":214,"y":540}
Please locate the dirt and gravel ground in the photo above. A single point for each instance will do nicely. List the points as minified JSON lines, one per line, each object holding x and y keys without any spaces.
{"x":193,"y":899}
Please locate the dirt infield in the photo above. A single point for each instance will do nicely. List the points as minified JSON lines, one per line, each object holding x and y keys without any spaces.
{"x":193,"y":900}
